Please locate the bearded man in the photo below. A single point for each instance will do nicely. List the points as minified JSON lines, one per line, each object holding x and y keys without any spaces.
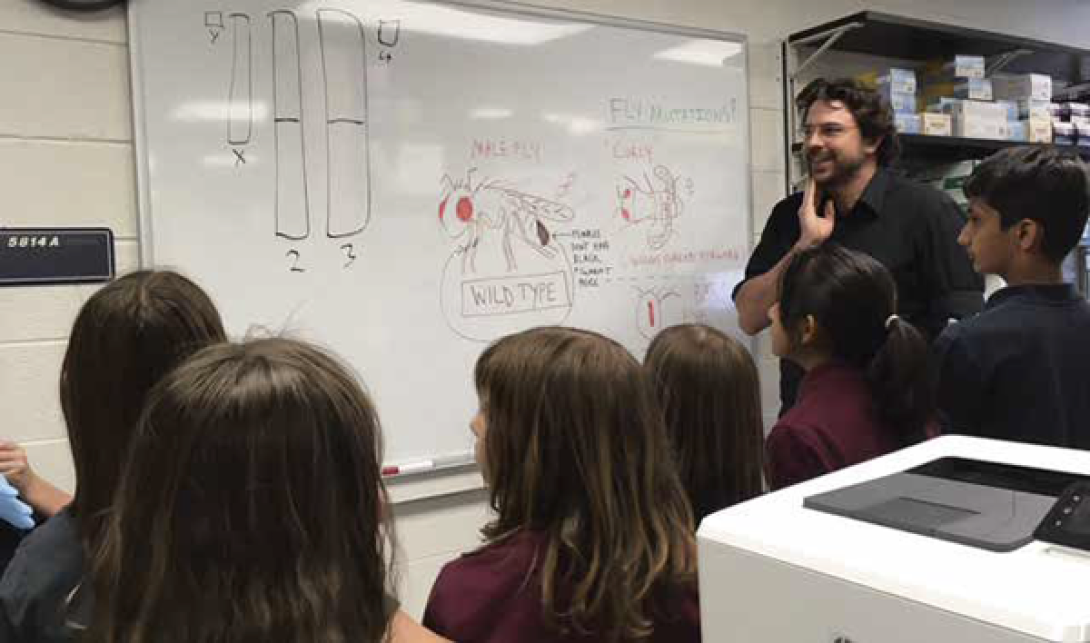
{"x":853,"y":199}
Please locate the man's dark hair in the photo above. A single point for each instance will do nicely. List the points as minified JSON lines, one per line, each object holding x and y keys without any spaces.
{"x":1043,"y":184}
{"x":873,"y":114}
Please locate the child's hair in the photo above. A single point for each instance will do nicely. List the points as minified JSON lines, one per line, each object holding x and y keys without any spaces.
{"x":710,"y":393}
{"x":854,"y":300}
{"x":250,"y":508}
{"x":1043,"y":184}
{"x":575,"y":448}
{"x":125,"y":338}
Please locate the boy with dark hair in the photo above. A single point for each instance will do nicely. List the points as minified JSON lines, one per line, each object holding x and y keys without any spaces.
{"x":1019,"y":370}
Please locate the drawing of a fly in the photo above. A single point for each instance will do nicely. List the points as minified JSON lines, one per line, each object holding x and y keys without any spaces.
{"x":475,"y":210}
{"x":645,"y":202}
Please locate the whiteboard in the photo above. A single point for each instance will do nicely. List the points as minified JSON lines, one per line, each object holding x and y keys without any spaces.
{"x":403,"y":182}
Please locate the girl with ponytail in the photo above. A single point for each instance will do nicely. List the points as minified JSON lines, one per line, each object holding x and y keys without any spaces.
{"x":867,"y":389}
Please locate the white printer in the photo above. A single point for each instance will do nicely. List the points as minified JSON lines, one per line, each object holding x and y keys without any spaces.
{"x":932,"y":543}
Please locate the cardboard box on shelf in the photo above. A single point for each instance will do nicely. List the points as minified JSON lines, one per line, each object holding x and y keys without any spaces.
{"x":1017,"y":131}
{"x":1063,"y":133}
{"x":970,"y":88}
{"x":898,"y":79}
{"x":1038,"y":130}
{"x":1072,"y":112}
{"x":907,"y":123}
{"x":901,"y":81}
{"x":976,"y":109}
{"x":976,"y":126}
{"x":1011,"y":107}
{"x":899,"y":102}
{"x":1028,"y":108}
{"x":936,"y":124}
{"x":974,"y":89}
{"x":1023,"y":87}
{"x":1082,"y":135}
{"x":962,"y":66}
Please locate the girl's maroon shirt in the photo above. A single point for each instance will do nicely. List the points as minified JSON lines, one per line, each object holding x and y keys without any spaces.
{"x":493,"y":595}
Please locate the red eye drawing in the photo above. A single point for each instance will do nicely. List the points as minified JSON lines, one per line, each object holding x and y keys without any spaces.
{"x":465,"y":209}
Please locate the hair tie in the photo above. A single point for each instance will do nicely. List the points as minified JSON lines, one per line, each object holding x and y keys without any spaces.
{"x":890,"y":320}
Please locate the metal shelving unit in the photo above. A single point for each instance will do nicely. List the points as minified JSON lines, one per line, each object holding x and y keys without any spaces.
{"x":873,"y":33}
{"x":910,"y":41}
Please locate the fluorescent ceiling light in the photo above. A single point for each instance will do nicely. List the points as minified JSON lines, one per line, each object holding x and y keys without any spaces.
{"x":711,"y":53}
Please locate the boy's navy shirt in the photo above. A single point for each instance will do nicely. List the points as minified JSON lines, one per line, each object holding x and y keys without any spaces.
{"x":1020,"y":370}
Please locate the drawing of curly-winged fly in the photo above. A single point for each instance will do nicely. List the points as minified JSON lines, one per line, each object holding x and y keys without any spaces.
{"x":472,"y":211}
{"x":660,"y":205}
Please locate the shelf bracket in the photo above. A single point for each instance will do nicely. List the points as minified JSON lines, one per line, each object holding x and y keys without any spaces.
{"x":1002,"y":60}
{"x":831,"y":36}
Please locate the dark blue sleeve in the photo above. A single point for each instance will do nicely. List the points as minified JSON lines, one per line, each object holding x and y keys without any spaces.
{"x":961,"y":383}
{"x":7,"y":631}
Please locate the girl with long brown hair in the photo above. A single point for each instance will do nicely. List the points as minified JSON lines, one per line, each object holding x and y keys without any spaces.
{"x":710,"y":393}
{"x":593,"y":537}
{"x":124,"y":339}
{"x":251,"y":508}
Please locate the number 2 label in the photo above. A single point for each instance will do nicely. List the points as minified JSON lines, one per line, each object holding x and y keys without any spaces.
{"x":294,"y":256}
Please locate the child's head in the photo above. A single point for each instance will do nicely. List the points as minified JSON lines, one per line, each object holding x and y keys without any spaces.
{"x":1026,"y":204}
{"x":573,"y":446}
{"x":708,"y":386}
{"x":250,"y":506}
{"x":125,"y":338}
{"x":840,"y":305}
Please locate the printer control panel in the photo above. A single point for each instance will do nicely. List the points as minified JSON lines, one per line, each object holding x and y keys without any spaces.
{"x":1068,"y":522}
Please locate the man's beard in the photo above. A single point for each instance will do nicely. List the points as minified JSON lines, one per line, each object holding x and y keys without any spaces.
{"x":843,"y":170}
